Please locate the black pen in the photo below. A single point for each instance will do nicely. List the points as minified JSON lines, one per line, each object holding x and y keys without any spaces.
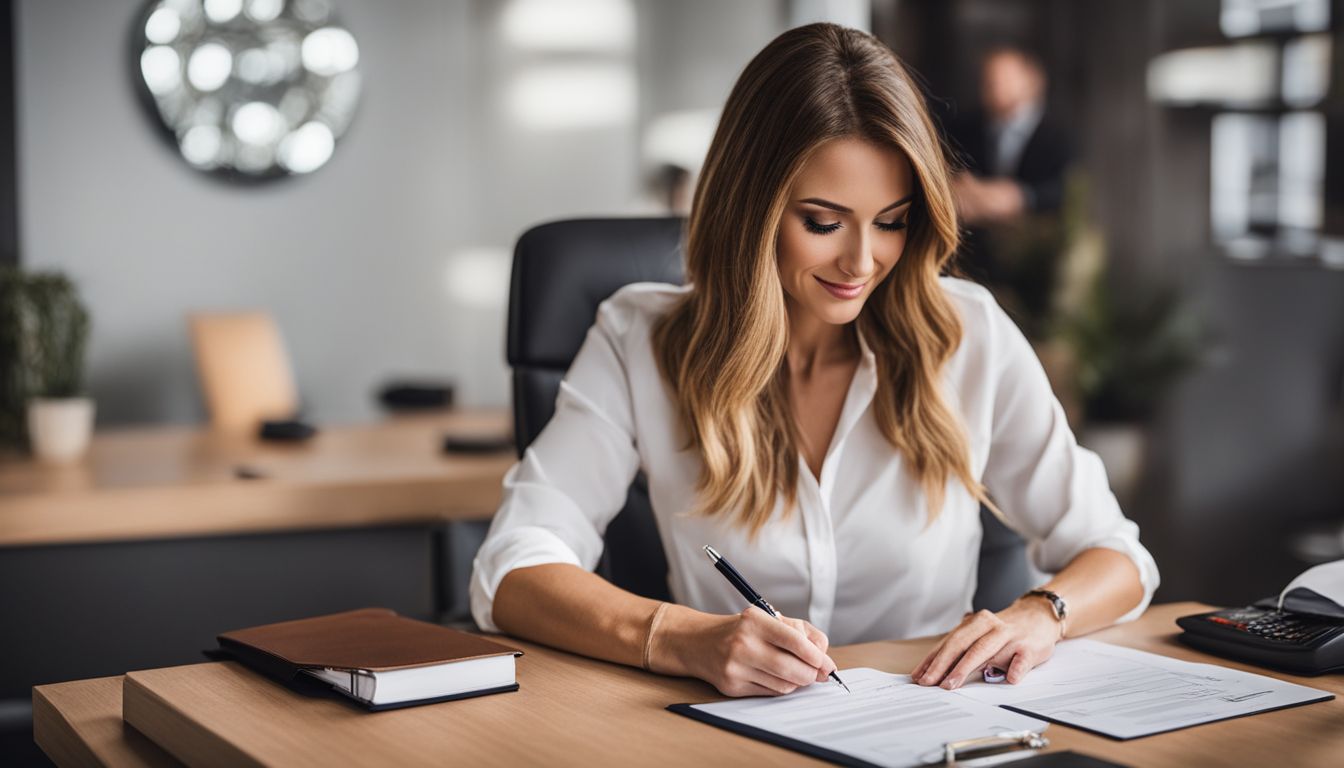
{"x":730,"y":573}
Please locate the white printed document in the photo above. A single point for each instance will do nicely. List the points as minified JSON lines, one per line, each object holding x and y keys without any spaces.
{"x":887,"y":720}
{"x":1124,"y":693}
{"x":1325,"y":582}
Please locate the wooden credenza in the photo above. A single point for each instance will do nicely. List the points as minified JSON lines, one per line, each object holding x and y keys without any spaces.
{"x":186,"y":481}
{"x":160,"y":538}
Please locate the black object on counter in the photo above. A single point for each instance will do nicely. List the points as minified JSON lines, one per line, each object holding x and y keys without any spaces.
{"x":416,"y":396}
{"x":477,"y":443}
{"x":286,"y":430}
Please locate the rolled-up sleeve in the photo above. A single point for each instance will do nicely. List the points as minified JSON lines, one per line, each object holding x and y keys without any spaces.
{"x":1050,"y":489}
{"x":573,"y":479}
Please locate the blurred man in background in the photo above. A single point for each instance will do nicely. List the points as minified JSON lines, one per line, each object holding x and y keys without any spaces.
{"x":1012,"y":188}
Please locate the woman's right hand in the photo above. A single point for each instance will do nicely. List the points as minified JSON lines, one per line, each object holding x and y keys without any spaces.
{"x":746,"y":654}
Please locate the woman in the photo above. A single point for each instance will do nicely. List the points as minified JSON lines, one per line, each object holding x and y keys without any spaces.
{"x":820,"y":406}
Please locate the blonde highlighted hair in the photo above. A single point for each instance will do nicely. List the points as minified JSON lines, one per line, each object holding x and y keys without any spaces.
{"x":721,"y":348}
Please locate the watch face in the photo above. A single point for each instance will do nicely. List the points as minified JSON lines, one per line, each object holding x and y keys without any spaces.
{"x":248,"y":89}
{"x":1056,"y":602}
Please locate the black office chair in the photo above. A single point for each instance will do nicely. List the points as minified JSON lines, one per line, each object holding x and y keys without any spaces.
{"x":561,"y":272}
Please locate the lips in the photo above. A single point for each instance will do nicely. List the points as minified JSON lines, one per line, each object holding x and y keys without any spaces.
{"x":842,"y":291}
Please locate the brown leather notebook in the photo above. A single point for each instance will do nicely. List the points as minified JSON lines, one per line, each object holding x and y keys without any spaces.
{"x":377,"y":657}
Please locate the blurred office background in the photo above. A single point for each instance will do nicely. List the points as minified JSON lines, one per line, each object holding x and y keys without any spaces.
{"x":1194,"y":317}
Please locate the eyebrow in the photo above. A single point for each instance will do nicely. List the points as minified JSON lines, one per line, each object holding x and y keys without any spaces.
{"x":842,"y":209}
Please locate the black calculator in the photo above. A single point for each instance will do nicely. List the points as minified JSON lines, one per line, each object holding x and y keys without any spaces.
{"x":1301,"y":643}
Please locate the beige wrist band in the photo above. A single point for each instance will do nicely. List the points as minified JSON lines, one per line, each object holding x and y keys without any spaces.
{"x":653,"y":627}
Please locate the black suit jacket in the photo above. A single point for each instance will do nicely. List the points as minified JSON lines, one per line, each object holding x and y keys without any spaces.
{"x":1040,"y":168}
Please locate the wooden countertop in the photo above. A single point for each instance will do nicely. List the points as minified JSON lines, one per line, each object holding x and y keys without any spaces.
{"x":184,"y":481}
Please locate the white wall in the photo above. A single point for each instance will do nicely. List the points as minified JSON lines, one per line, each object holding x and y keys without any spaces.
{"x":354,"y":261}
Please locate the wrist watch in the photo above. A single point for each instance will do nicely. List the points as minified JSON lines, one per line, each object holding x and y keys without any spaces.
{"x":1056,"y":604}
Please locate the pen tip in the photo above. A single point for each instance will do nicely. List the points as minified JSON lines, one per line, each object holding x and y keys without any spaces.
{"x":713,"y":555}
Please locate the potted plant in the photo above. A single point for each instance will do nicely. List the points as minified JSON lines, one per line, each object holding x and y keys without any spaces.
{"x":43,"y":331}
{"x":1127,"y":356}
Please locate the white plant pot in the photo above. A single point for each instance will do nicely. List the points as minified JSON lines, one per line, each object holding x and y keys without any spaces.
{"x":59,"y":428}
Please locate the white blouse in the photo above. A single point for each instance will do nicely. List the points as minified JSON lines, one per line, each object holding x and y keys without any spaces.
{"x":853,"y":556}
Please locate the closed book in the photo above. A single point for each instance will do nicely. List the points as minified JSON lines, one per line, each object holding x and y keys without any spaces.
{"x":377,"y":657}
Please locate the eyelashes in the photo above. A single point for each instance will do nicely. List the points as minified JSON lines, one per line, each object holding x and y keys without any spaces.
{"x":820,"y":229}
{"x":825,"y":229}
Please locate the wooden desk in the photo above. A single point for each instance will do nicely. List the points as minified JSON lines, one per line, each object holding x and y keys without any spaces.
{"x":82,"y":725}
{"x":575,"y":711}
{"x":182,"y":481}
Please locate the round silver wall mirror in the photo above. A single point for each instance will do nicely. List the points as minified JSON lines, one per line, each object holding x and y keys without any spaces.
{"x":248,"y":89}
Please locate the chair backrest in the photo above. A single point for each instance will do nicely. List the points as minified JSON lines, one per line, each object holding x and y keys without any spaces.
{"x":562,"y":271}
{"x":244,"y":369}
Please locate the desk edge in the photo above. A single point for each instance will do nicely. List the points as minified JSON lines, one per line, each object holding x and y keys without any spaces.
{"x":172,"y":731}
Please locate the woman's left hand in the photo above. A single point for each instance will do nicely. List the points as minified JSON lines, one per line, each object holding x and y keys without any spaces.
{"x":1015,"y":639}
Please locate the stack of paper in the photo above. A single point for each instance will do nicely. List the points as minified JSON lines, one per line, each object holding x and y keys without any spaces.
{"x":887,"y":720}
{"x":1124,"y":693}
{"x":1111,"y":690}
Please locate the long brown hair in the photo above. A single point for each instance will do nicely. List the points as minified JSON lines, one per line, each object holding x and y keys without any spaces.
{"x":722,"y":348}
